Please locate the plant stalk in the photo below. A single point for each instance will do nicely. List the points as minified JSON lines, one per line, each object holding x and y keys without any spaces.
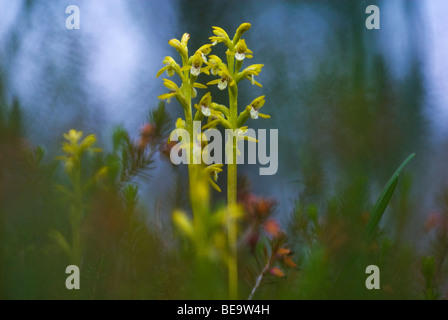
{"x":232,"y":195}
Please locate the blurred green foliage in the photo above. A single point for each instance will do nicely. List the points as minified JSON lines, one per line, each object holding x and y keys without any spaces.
{"x":322,"y":254}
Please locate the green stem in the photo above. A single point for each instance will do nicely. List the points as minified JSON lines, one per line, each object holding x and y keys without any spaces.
{"x":191,"y":168}
{"x":231,"y":198}
{"x":194,"y":182}
{"x":189,"y":125}
{"x":76,"y":216}
{"x":232,"y":232}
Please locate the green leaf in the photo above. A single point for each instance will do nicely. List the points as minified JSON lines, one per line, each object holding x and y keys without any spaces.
{"x":60,"y":240}
{"x":39,"y":153}
{"x":385,"y":196}
{"x":428,"y":269}
{"x":160,"y":119}
{"x":130,"y":193}
{"x":119,"y":136}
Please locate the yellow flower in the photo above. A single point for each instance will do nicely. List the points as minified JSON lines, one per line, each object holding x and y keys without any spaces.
{"x":226,"y":78}
{"x":170,"y":67}
{"x":180,"y":123}
{"x":206,"y":111}
{"x":221,"y":36}
{"x":212,"y":172}
{"x":255,"y":106}
{"x":214,"y":62}
{"x":73,"y":136}
{"x":204,"y":51}
{"x":252,"y":111}
{"x":222,"y":84}
{"x":204,"y":104}
{"x":74,"y":147}
{"x":181,"y":47}
{"x":174,"y":90}
{"x":196,"y":64}
{"x":249,"y":73}
{"x":241,"y":51}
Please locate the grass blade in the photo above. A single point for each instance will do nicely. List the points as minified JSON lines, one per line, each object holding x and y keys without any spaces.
{"x":385,"y":196}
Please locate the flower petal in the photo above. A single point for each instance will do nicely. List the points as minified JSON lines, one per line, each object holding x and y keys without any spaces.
{"x":283,"y":251}
{"x":288,"y":261}
{"x":240,"y":56}
{"x":199,"y":85}
{"x":205,"y":111}
{"x":216,"y":81}
{"x":254,"y":113}
{"x":276,"y":271}
{"x":222,"y":84}
{"x":170,"y":85}
{"x":162,"y":71}
{"x":170,"y":72}
{"x":214,"y":185}
{"x":167,"y":96}
{"x":195,"y":71}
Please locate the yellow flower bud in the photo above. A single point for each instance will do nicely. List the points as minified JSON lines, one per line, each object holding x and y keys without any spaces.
{"x":185,"y":39}
{"x":258,"y":102}
{"x":214,"y":62}
{"x":180,"y":47}
{"x":206,"y":100}
{"x":240,"y":31}
{"x":176,"y":44}
{"x":180,"y":123}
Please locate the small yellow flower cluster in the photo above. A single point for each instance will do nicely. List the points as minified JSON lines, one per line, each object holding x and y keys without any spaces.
{"x":188,"y":73}
{"x":74,"y":148}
